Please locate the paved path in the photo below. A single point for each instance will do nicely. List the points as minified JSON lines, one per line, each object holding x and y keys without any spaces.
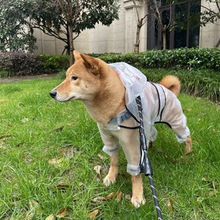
{"x":4,"y":80}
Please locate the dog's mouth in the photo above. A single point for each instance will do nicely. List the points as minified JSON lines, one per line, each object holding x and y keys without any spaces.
{"x":65,"y":99}
{"x":61,"y":97}
{"x":71,"y":98}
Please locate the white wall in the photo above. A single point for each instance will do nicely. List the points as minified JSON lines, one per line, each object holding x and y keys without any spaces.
{"x":209,"y":34}
{"x":119,"y":37}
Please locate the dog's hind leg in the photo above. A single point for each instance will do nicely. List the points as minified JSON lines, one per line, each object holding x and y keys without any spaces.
{"x":188,"y":145}
{"x":137,"y":191}
{"x":113,"y":170}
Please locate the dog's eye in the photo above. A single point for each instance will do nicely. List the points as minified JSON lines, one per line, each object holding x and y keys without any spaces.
{"x":74,"y":78}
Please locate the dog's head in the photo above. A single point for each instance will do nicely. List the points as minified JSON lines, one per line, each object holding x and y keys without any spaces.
{"x":83,"y":80}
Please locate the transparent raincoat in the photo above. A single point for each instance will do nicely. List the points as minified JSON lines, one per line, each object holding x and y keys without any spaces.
{"x":160,"y":105}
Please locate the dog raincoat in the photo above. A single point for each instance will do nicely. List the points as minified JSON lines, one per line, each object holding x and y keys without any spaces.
{"x":160,"y":105}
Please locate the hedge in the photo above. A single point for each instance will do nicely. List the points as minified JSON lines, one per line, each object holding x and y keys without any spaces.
{"x":18,"y":64}
{"x":200,"y":83}
{"x":179,"y":58}
{"x":190,"y":63}
{"x":54,"y":63}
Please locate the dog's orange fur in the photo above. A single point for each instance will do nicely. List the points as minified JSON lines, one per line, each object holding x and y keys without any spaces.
{"x":94,"y":87}
{"x":98,"y":86}
{"x":172,"y":83}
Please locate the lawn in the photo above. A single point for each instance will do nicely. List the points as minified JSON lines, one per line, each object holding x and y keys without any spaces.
{"x":48,"y":151}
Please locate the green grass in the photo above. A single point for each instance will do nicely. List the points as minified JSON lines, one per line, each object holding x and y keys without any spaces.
{"x":35,"y":130}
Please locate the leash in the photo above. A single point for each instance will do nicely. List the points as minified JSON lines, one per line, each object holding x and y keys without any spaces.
{"x":145,"y":164}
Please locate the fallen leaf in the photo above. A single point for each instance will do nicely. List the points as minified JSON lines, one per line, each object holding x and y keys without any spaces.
{"x":166,"y":156}
{"x":98,"y":171}
{"x":63,"y":187}
{"x":119,"y":196}
{"x":81,"y":184}
{"x":56,"y":162}
{"x":111,"y":195}
{"x":21,"y":104}
{"x":2,"y":146}
{"x":2,"y":101}
{"x":158,"y":150}
{"x":173,"y":160}
{"x":128,"y":196}
{"x":24,"y":120}
{"x":93,"y":214}
{"x":63,"y":212}
{"x":5,"y":136}
{"x":213,"y":193}
{"x":170,"y":204}
{"x":34,"y":209}
{"x":200,"y":199}
{"x":204,"y":179}
{"x":184,"y":159}
{"x":99,"y":199}
{"x":68,"y":151}
{"x":29,"y":215}
{"x":50,"y":217}
{"x":188,"y":110}
{"x":57,"y":129}
{"x":35,"y":206}
{"x":213,"y":130}
{"x":101,"y":156}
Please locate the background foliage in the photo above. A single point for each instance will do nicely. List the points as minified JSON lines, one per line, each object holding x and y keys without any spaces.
{"x":64,"y":20}
{"x":198,"y":69}
{"x":193,"y":58}
{"x":15,"y":32}
{"x":20,"y":64}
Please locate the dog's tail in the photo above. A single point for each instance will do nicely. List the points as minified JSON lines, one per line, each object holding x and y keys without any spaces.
{"x":172,"y":83}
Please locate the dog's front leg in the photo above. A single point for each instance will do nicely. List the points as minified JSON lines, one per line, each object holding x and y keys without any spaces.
{"x":137,"y":191}
{"x":113,"y":170}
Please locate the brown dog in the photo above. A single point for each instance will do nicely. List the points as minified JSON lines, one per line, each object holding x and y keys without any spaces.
{"x":101,"y":90}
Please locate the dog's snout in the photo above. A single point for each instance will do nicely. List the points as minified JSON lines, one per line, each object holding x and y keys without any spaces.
{"x":53,"y":93}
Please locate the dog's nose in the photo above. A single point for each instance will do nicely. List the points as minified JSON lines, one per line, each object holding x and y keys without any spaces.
{"x":53,"y":93}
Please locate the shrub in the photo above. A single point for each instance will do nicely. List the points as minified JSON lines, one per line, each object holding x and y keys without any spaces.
{"x":201,"y":83}
{"x":54,"y":63}
{"x":17,"y":64}
{"x":20,"y":64}
{"x":193,"y":58}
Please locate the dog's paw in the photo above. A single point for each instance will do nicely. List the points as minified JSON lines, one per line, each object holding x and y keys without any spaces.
{"x":108,"y":180}
{"x":137,"y":202}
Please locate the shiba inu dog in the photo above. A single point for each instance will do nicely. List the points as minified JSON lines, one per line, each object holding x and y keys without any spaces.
{"x":105,"y":95}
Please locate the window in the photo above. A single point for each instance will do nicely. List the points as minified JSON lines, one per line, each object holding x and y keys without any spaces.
{"x":181,"y":21}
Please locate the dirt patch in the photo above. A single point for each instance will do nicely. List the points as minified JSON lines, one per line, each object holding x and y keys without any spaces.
{"x":5,"y":80}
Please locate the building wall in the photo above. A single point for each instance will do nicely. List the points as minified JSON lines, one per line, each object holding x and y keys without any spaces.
{"x":209,"y":34}
{"x":46,"y":44}
{"x":119,"y":37}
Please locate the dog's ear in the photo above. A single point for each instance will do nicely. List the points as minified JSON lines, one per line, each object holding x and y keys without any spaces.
{"x":77,"y":55}
{"x":92,"y":64}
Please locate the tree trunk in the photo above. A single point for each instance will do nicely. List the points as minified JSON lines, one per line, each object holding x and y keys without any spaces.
{"x":164,"y":37}
{"x":71,"y":47}
{"x":218,"y":43}
{"x":164,"y":40}
{"x":137,"y":43}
